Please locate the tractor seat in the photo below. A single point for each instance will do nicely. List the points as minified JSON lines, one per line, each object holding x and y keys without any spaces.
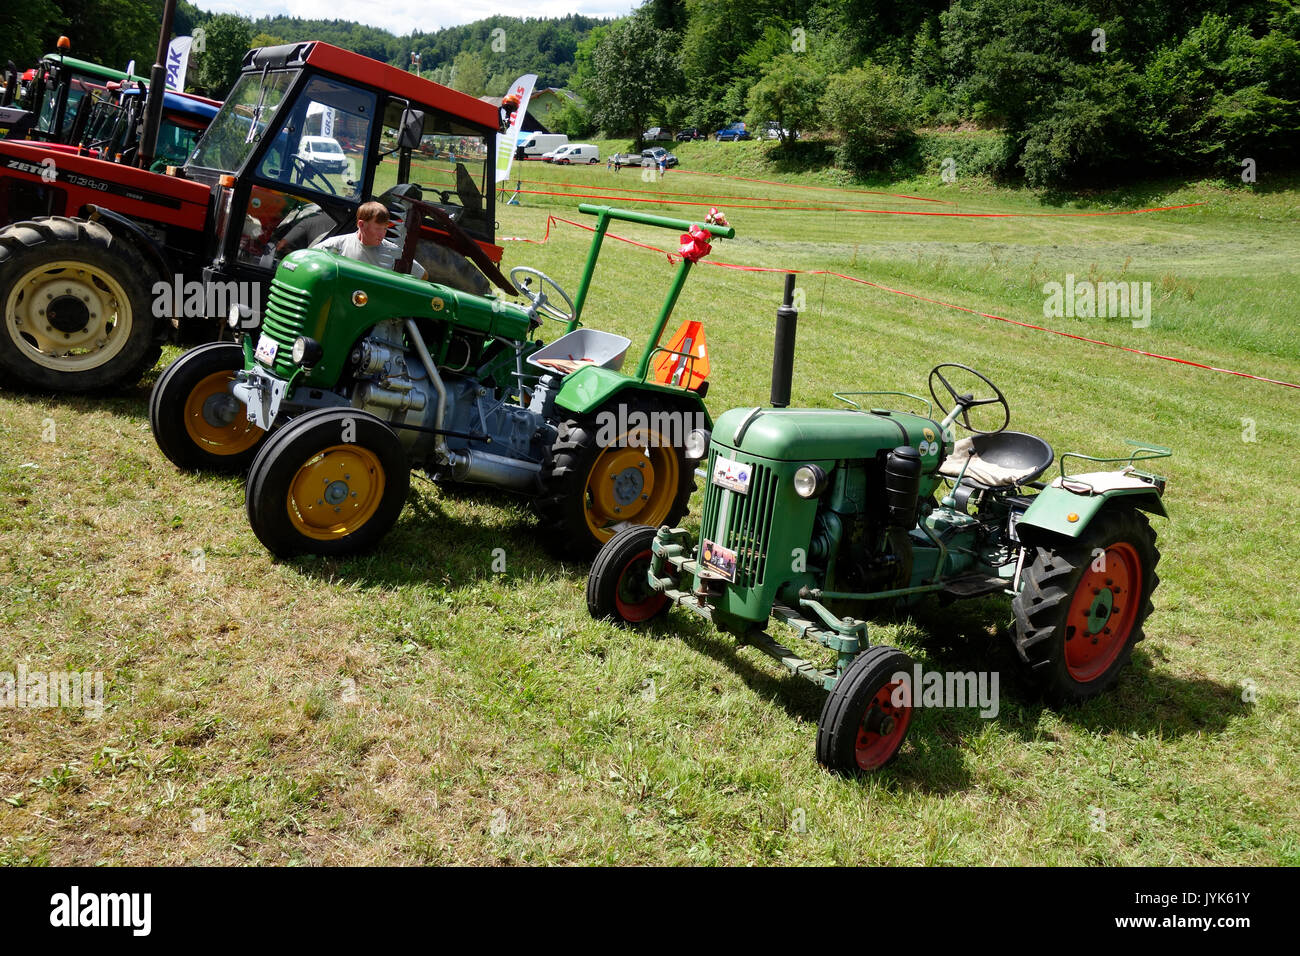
{"x":998,"y":461}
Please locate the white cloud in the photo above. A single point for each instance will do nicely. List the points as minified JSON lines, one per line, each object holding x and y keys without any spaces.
{"x":403,"y":16}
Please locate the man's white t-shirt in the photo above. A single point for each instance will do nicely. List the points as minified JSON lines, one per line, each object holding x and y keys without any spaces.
{"x":383,"y":255}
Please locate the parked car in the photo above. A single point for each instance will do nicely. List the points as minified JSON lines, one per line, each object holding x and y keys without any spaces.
{"x":577,"y":153}
{"x":690,"y":133}
{"x":774,"y":131}
{"x":554,"y":155}
{"x":732,"y":133}
{"x":654,"y":134}
{"x":323,"y":152}
{"x":647,"y":157}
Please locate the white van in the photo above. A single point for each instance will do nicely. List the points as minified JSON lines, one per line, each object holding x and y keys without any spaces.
{"x":324,"y":153}
{"x":578,"y":153}
{"x":534,"y":145}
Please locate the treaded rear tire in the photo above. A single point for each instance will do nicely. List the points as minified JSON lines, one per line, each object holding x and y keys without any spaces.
{"x":1052,"y":581}
{"x":574,"y":455}
{"x":24,"y":246}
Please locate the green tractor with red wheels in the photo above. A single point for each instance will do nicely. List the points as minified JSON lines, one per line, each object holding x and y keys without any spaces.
{"x":815,"y":516}
{"x":354,"y":375}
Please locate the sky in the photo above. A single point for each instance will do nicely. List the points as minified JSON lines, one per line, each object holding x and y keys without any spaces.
{"x":403,"y":16}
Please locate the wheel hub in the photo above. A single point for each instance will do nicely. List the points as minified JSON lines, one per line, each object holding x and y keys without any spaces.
{"x":1103,"y":605}
{"x":219,"y":411}
{"x":67,"y":314}
{"x":628,"y":484}
{"x":336,"y":492}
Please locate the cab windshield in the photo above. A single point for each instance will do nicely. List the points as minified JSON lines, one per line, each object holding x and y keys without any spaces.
{"x":239,"y":124}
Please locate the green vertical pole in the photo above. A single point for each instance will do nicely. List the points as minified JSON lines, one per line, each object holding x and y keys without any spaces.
{"x":602,"y":223}
{"x":679,"y":280}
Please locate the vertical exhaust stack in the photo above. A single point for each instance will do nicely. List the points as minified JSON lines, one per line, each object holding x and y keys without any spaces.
{"x":157,"y":88}
{"x":783,"y":349}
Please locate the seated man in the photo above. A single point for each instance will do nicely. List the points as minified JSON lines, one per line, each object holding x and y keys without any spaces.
{"x":368,"y":243}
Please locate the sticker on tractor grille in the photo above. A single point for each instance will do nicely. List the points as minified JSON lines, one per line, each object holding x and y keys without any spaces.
{"x":733,"y":475}
{"x":718,"y":561}
{"x":266,"y":349}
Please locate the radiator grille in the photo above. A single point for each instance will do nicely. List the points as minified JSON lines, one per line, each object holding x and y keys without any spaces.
{"x":749,"y":521}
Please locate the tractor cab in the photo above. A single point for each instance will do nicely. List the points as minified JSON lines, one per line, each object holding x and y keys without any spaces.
{"x":309,"y":132}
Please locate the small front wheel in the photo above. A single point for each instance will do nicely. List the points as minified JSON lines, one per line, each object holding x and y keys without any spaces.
{"x":195,"y":420}
{"x":867,"y":713}
{"x":331,"y":482}
{"x":618,"y":587}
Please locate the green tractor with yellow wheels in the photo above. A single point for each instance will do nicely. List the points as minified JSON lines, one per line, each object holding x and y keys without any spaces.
{"x":815,"y":516}
{"x":354,"y":375}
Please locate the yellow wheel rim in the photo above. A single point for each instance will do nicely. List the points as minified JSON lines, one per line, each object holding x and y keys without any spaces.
{"x":213,"y":418}
{"x":68,"y":316}
{"x":631,"y":483}
{"x":336,"y":492}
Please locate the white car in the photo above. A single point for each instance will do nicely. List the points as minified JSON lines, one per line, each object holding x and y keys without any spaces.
{"x":324,"y":153}
{"x":577,"y":153}
{"x":554,"y":155}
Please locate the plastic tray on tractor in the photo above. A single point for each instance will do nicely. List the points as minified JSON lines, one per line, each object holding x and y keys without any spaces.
{"x":582,"y":347}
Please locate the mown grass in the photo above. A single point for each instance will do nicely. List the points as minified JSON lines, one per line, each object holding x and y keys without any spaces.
{"x":413,"y":706}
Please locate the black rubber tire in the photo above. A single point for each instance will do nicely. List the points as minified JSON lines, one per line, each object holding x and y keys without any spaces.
{"x":612,"y":577}
{"x":564,"y":504}
{"x":1048,"y":585}
{"x":26,"y":245}
{"x":294,"y":445}
{"x":167,"y":411}
{"x":847,"y":705}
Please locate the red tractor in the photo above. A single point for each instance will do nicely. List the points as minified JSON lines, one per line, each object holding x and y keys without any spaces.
{"x":102,"y":263}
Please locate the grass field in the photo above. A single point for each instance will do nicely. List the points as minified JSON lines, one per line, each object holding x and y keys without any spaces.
{"x":413,"y":706}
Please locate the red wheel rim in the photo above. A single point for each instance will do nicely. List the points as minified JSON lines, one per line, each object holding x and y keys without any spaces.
{"x":635,"y":600}
{"x":883,"y":727}
{"x":1102,"y":612}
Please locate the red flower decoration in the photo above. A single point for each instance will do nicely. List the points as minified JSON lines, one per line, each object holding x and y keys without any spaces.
{"x":695,"y":244}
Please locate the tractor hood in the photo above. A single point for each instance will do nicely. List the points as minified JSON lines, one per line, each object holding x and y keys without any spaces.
{"x":820,"y":434}
{"x":334,"y":300}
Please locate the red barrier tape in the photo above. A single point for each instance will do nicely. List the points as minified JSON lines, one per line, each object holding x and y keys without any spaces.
{"x":882,"y":212}
{"x":672,"y":257}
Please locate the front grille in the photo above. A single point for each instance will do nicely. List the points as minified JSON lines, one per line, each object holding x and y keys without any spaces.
{"x":749,"y":522}
{"x":284,"y":320}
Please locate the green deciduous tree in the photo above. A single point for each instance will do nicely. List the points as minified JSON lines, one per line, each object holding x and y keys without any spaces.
{"x":871,"y":111}
{"x":633,"y":71}
{"x":226,"y":39}
{"x":788,"y":94}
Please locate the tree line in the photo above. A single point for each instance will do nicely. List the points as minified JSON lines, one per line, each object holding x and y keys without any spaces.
{"x":1074,"y":92}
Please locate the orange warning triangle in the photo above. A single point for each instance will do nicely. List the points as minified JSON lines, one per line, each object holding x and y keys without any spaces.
{"x":673,"y":367}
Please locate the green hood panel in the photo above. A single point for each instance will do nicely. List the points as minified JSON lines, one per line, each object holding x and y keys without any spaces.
{"x":314,"y":293}
{"x":817,"y":434}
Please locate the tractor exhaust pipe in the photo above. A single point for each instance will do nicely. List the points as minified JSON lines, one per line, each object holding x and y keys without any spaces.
{"x":157,"y":87}
{"x":783,"y":349}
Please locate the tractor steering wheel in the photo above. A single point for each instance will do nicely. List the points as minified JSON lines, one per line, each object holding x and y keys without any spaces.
{"x":538,"y":298}
{"x":308,"y":172}
{"x":964,"y":402}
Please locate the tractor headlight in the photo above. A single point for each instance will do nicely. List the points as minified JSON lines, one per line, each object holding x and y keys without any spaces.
{"x":809,"y":481}
{"x":240,"y":317}
{"x":697,"y":443}
{"x":306,"y":351}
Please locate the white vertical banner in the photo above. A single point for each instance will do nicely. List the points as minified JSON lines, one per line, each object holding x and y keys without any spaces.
{"x":522,"y":89}
{"x":178,"y":62}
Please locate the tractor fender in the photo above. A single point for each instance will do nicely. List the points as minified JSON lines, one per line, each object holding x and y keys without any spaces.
{"x":128,"y":231}
{"x":587,"y":389}
{"x":1052,"y":507}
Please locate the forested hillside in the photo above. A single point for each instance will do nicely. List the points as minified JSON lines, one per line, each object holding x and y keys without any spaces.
{"x":1077,"y":92}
